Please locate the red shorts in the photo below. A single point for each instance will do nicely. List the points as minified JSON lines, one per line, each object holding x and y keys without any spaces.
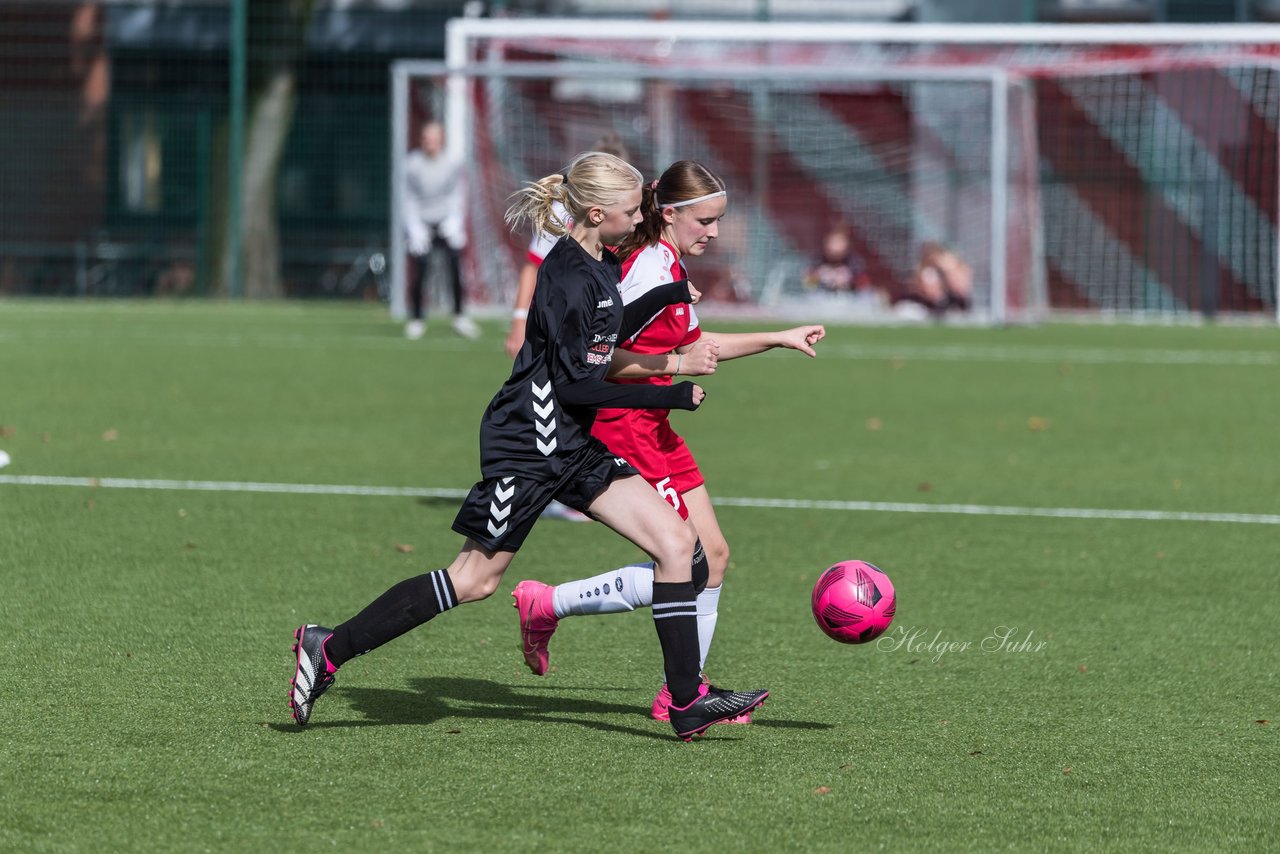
{"x":647,"y":441}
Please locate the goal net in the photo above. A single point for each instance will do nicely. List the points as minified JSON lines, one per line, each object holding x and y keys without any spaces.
{"x":1098,"y":169}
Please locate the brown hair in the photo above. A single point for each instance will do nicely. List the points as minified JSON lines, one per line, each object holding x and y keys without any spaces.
{"x":683,"y":180}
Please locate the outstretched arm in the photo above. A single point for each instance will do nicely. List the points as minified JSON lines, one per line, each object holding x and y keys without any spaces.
{"x":602,"y":393}
{"x":697,"y":360}
{"x":735,"y":345}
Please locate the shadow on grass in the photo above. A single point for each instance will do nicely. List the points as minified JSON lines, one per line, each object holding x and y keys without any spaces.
{"x":429,"y":700}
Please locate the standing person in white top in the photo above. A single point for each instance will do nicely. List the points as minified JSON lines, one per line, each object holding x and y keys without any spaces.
{"x":433,"y":207}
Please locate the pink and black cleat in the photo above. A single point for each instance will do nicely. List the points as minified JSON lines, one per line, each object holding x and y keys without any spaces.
{"x":712,"y":706}
{"x":662,"y":703}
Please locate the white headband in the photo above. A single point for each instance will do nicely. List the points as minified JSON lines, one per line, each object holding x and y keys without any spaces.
{"x":691,"y":201}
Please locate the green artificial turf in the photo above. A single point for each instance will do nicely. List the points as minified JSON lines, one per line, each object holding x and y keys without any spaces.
{"x":146,"y":632}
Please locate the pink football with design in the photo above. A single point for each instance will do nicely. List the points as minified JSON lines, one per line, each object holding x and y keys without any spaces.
{"x":853,"y":601}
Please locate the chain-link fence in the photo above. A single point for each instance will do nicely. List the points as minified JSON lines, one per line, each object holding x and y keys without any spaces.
{"x":116,"y":121}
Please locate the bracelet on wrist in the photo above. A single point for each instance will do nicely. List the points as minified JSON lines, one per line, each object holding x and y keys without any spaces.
{"x":679,"y":359}
{"x":519,"y":313}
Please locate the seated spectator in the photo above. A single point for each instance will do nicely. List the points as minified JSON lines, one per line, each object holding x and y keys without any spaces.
{"x":839,"y":269}
{"x":942,"y":281}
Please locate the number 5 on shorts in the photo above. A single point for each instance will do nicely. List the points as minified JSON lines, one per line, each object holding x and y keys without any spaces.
{"x":668,"y":492}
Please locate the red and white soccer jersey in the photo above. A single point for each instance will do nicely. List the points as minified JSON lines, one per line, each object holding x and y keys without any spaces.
{"x":644,"y":436}
{"x":542,"y":242}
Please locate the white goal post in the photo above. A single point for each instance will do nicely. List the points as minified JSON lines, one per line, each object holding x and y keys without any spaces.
{"x":962,"y":134}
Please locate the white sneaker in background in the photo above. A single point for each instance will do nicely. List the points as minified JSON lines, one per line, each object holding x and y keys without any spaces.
{"x":465,"y":326}
{"x":415,"y":329}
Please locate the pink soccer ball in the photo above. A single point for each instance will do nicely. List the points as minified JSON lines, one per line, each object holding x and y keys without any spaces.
{"x":853,"y":602}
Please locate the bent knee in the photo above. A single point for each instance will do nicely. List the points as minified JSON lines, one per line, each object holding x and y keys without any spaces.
{"x":717,"y":561}
{"x":717,"y":557}
{"x":676,"y":547}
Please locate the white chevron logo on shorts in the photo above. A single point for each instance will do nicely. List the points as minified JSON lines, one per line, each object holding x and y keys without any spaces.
{"x":547,"y":447}
{"x":545,"y":429}
{"x":541,"y":391}
{"x":546,"y":410}
{"x":500,"y":509}
{"x":507,"y":480}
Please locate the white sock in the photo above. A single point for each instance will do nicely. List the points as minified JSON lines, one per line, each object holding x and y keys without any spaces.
{"x":623,"y":589}
{"x":708,"y":613}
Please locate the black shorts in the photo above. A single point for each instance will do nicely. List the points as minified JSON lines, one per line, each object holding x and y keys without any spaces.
{"x":500,"y":512}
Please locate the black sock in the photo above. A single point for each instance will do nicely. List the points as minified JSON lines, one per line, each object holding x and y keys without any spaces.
{"x":675,"y":616}
{"x":405,"y":606}
{"x":701,"y":570}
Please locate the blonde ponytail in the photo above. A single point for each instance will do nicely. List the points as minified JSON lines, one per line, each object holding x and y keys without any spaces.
{"x":594,"y":178}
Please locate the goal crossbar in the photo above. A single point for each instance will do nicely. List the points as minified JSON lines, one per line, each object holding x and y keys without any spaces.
{"x":460,"y":30}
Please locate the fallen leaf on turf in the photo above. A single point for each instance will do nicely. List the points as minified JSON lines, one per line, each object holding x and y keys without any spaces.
{"x":190,"y":545}
{"x":453,"y":731}
{"x":822,"y":790}
{"x":924,"y":486}
{"x":94,"y":482}
{"x":1083,"y":669}
{"x":7,"y":432}
{"x":182,"y":514}
{"x":111,"y":435}
{"x":1264,"y":722}
{"x":874,"y":424}
{"x":975,"y":753}
{"x":945,"y":723}
{"x":1038,"y":424}
{"x":846,"y":765}
{"x":404,"y":548}
{"x":1066,"y":770}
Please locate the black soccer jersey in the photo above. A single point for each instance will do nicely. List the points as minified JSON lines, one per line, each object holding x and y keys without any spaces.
{"x":539,"y":422}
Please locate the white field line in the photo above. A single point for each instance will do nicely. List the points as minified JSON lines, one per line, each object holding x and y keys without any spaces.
{"x":881,"y":352}
{"x":232,"y":486}
{"x":768,"y":503}
{"x":1077,"y":355}
{"x":236,"y":340}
